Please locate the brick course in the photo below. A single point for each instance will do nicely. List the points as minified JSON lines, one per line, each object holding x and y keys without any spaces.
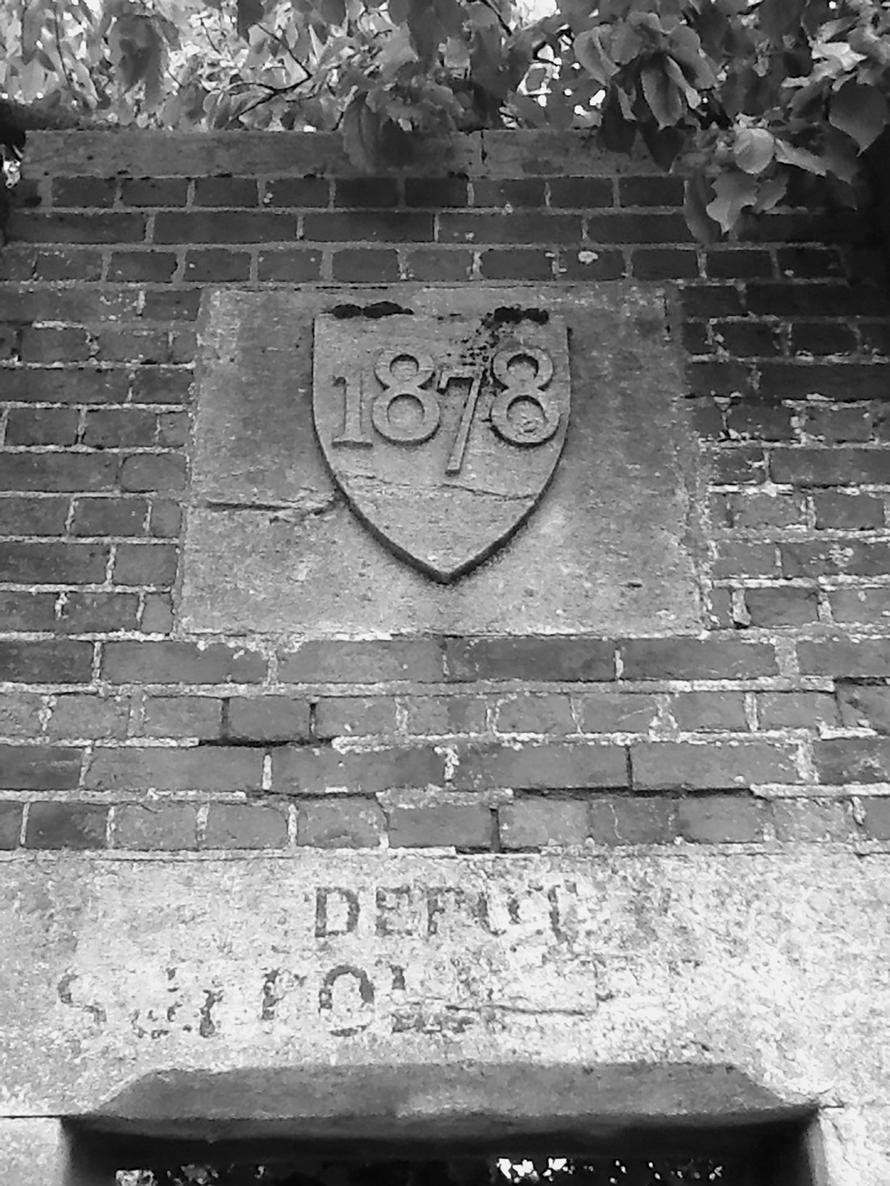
{"x":499,"y":743}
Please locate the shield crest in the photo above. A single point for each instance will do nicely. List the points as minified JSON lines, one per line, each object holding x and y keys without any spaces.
{"x":442,"y":431}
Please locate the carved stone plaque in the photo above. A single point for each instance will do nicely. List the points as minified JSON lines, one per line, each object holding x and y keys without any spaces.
{"x":441,"y":431}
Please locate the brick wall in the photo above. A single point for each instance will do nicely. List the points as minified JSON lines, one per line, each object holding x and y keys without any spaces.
{"x":771,"y":729}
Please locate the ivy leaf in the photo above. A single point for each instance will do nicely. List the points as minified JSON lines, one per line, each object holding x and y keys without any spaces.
{"x":32,"y":27}
{"x":733,"y":192}
{"x":778,"y":17}
{"x":617,"y":132}
{"x":591,"y":53}
{"x":697,"y":193}
{"x":860,"y":111}
{"x":754,"y":149}
{"x":247,"y":13}
{"x":771,"y":192}
{"x":361,"y":131}
{"x":789,"y":154}
{"x":664,"y":144}
{"x":665,"y":101}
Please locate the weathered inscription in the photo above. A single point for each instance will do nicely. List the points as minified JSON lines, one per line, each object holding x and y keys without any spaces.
{"x":442,"y":432}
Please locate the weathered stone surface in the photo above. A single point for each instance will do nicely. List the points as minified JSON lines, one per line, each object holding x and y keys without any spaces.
{"x":778,"y":966}
{"x":272,"y":546}
{"x":441,"y":432}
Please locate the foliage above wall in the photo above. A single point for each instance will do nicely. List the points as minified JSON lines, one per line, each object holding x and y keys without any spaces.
{"x":739,"y":95}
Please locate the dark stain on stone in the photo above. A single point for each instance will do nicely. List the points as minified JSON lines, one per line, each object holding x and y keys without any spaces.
{"x":513,"y":315}
{"x":378,"y":309}
{"x":207,"y":1028}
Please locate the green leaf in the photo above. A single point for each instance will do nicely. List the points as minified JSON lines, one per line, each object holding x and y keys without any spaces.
{"x":860,"y":111}
{"x":801,"y":158}
{"x":778,"y":17}
{"x":360,"y":130}
{"x":398,"y":11}
{"x":754,"y":149}
{"x":247,"y":13}
{"x":733,"y":192}
{"x":617,"y":133}
{"x":590,"y":51}
{"x":664,"y":99}
{"x":697,"y":194}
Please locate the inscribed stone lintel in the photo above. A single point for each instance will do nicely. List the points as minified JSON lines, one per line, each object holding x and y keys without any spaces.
{"x":468,"y":460}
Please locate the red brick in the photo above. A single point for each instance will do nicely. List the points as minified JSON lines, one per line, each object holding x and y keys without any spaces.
{"x":541,"y":767}
{"x":235,"y":226}
{"x":52,"y":563}
{"x":58,"y":661}
{"x":78,"y":385}
{"x":360,"y":265}
{"x":310,"y":770}
{"x":226,"y":191}
{"x":39,"y":767}
{"x":838,"y":425}
{"x":145,"y":564}
{"x":161,"y":385}
{"x":738,"y":263}
{"x":33,"y":516}
{"x":819,"y":300}
{"x":173,"y":304}
{"x":366,"y":192}
{"x":119,"y":428}
{"x":782,"y":606}
{"x":460,"y":825}
{"x":534,"y":228}
{"x":334,"y":662}
{"x":852,"y":556}
{"x":587,"y":264}
{"x":682,"y":765}
{"x":154,"y":191}
{"x":821,"y":337}
{"x":340,"y":823}
{"x":267,"y":718}
{"x":845,"y":380}
{"x":297,"y":191}
{"x":245,"y":825}
{"x":109,"y":516}
{"x":218,"y":265}
{"x":164,"y":827}
{"x":56,"y":344}
{"x":380,"y":226}
{"x":562,"y":658}
{"x":665,"y":263}
{"x":438,"y":264}
{"x":852,"y":759}
{"x":711,"y":300}
{"x":805,"y":263}
{"x":180,"y":662}
{"x":706,"y":711}
{"x":837,"y":466}
{"x":753,"y":509}
{"x":294,"y":265}
{"x":849,"y":512}
{"x":721,"y":819}
{"x":542,"y":821}
{"x":10,"y":825}
{"x":622,"y":712}
{"x":528,"y":264}
{"x":196,"y":768}
{"x":19,"y":714}
{"x":876,"y":811}
{"x":77,"y":227}
{"x":519,"y":191}
{"x":445,"y":715}
{"x":737,"y":559}
{"x":719,"y":609}
{"x":864,"y":706}
{"x":166,"y":519}
{"x":41,"y":426}
{"x":75,"y":715}
{"x":66,"y":264}
{"x":796,"y":710}
{"x":551,"y":714}
{"x":626,"y":819}
{"x":157,"y":614}
{"x":440,"y":192}
{"x":813,"y":820}
{"x":157,"y":267}
{"x":649,"y":191}
{"x":719,"y":378}
{"x":693,"y":658}
{"x":165,"y":472}
{"x":58,"y":471}
{"x":354,"y":716}
{"x":91,"y":611}
{"x":182,"y":716}
{"x":844,"y":657}
{"x":765,"y":422}
{"x":638,"y":228}
{"x":66,"y":825}
{"x":83,"y":191}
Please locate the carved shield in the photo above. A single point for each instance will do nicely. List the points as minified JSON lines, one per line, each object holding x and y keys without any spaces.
{"x":442,"y":432}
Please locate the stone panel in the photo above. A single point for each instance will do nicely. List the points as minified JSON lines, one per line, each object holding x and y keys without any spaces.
{"x":273,"y":547}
